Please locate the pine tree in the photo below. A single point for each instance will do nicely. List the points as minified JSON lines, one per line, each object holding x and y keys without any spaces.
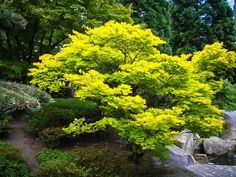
{"x":201,"y":22}
{"x":156,"y":15}
{"x":186,"y":26}
{"x":221,"y":24}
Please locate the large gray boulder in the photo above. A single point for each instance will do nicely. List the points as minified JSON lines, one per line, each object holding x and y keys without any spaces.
{"x":216,"y":146}
{"x":230,"y":131}
{"x":177,"y":157}
{"x":185,"y":142}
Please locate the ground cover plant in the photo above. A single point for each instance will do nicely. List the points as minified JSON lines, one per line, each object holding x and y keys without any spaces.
{"x":11,"y":163}
{"x":95,"y":160}
{"x":145,"y":95}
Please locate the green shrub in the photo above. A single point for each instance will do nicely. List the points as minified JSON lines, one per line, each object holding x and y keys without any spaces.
{"x":60,"y":113}
{"x":56,"y":163}
{"x":100,"y":160}
{"x":11,"y":163}
{"x":4,"y":124}
{"x":52,"y":137}
{"x":50,"y":154}
{"x":13,"y":69}
{"x":226,"y":98}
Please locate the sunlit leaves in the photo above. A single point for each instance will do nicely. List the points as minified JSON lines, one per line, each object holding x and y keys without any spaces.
{"x":145,"y":95}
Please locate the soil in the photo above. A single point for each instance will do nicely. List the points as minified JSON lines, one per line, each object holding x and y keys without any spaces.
{"x":28,"y":145}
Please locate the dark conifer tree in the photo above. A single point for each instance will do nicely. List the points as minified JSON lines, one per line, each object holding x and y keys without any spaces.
{"x":200,"y":22}
{"x":220,"y":23}
{"x":187,"y":34}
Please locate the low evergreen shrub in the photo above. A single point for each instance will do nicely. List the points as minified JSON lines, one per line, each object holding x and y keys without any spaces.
{"x":55,"y":163}
{"x":11,"y":163}
{"x":60,"y":113}
{"x":52,"y":137}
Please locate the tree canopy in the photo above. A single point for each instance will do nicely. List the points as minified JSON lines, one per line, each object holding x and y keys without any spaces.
{"x":145,"y":95}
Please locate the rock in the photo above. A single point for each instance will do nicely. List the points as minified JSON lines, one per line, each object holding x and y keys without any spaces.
{"x":177,"y":157}
{"x":185,"y":142}
{"x":230,"y":132}
{"x":216,"y":146}
{"x":202,"y":170}
{"x":201,"y":158}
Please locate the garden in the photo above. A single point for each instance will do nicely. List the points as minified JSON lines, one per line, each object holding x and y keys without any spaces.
{"x":96,"y":89}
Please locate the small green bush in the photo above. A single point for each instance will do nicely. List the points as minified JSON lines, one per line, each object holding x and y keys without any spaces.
{"x":100,"y":160}
{"x":52,"y":137}
{"x":11,"y":163}
{"x":226,"y":98}
{"x":56,"y":163}
{"x":60,"y":113}
{"x":4,"y":124}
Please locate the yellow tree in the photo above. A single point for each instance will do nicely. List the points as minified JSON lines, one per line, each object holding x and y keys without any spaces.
{"x":145,"y":95}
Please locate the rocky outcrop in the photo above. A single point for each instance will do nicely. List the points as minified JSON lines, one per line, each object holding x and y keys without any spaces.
{"x":230,"y":131}
{"x":216,"y":146}
{"x":202,"y":170}
{"x":179,"y":157}
{"x":185,"y":142}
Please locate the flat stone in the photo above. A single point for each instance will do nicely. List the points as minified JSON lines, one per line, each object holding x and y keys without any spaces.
{"x":202,"y":170}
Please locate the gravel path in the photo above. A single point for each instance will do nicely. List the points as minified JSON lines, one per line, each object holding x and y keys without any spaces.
{"x":21,"y":140}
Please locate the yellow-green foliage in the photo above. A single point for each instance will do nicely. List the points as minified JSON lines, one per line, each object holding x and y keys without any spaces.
{"x":145,"y":95}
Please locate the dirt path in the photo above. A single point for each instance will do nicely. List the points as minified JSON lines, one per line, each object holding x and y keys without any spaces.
{"x":21,"y":140}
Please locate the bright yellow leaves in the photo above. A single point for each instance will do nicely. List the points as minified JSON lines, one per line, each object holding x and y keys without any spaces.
{"x":145,"y":95}
{"x":214,"y":58}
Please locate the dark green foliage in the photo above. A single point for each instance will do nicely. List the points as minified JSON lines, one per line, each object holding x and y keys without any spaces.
{"x":156,"y":15}
{"x":32,"y":28}
{"x":201,"y":22}
{"x":9,"y":21}
{"x":219,"y":23}
{"x":226,"y":99}
{"x":100,"y":160}
{"x":60,"y":113}
{"x":52,"y":137}
{"x":111,"y":160}
{"x":186,"y":26}
{"x":11,"y":164}
{"x":56,"y":163}
{"x":13,"y":70}
{"x":4,"y":124}
{"x":48,"y":154}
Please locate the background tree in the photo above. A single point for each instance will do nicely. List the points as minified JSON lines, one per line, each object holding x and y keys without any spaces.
{"x":220,"y":24}
{"x":50,"y":23}
{"x":187,"y":34}
{"x":197,"y":23}
{"x":156,"y":15}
